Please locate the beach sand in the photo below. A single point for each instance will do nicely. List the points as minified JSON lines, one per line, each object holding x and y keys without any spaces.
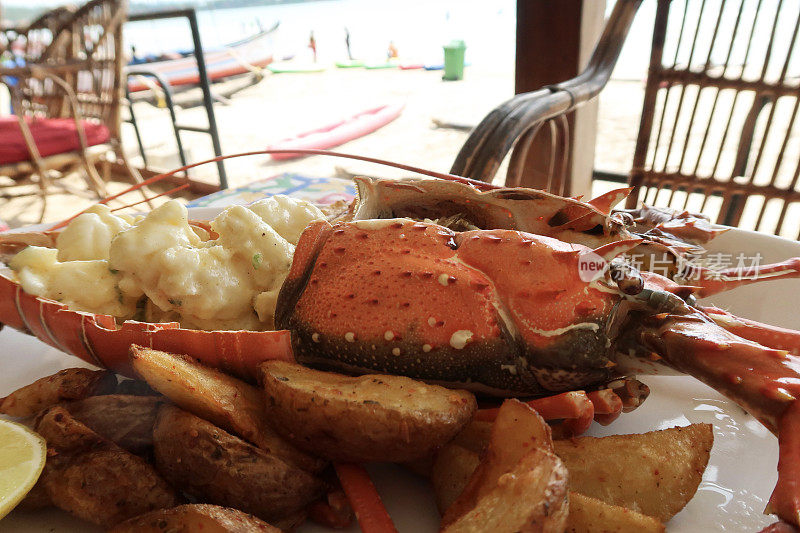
{"x":284,"y":104}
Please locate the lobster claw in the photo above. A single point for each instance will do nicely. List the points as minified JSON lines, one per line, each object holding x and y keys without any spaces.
{"x":765,"y":381}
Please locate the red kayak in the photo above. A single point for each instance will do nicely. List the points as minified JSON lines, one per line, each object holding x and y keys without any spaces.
{"x":339,"y":132}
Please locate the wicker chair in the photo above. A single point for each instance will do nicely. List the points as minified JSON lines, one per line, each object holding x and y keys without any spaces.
{"x":718,"y":132}
{"x":66,"y":96}
{"x":29,"y":42}
{"x":512,"y":126}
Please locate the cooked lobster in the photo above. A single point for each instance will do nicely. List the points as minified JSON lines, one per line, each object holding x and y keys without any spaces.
{"x":509,"y":292}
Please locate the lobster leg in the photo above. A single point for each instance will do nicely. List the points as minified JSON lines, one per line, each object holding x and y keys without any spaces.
{"x":765,"y":381}
{"x":710,"y":282}
{"x":575,"y":408}
{"x":777,"y":337}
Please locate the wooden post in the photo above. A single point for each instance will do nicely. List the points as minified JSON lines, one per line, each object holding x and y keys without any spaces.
{"x":554,"y":42}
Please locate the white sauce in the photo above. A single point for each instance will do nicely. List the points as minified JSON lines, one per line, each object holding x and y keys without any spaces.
{"x":460,"y":338}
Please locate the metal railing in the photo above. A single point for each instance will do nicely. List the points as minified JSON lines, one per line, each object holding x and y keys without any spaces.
{"x":205,"y":85}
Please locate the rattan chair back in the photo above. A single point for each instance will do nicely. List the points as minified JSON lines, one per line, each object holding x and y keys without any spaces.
{"x":719,"y":126}
{"x":92,"y":37}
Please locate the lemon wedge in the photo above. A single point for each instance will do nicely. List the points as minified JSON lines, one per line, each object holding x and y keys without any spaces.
{"x":22,"y":456}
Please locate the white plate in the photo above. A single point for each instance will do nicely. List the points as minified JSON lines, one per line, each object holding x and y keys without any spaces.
{"x":736,"y":485}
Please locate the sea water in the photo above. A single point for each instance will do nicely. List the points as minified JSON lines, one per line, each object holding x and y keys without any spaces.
{"x":418,"y":29}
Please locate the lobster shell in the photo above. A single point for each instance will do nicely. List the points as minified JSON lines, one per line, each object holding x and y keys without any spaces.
{"x":97,"y":339}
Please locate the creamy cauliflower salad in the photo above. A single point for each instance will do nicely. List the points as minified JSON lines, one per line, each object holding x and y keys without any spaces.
{"x":159,"y":268}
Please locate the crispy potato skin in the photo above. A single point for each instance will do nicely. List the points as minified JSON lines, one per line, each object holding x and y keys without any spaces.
{"x":654,"y":473}
{"x":530,"y":498}
{"x":517,"y":430}
{"x":590,"y":515}
{"x":451,"y":471}
{"x":455,"y":465}
{"x":225,"y":401}
{"x":124,"y":420}
{"x":475,"y":436}
{"x":362,"y":419}
{"x":194,"y":518}
{"x":134,"y":387}
{"x":93,"y":478}
{"x":69,"y":384}
{"x":214,"y":466}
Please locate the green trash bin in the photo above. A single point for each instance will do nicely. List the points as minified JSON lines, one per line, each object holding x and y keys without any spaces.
{"x":454,"y":60}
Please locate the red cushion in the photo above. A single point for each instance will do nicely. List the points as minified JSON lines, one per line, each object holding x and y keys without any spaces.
{"x":52,"y":136}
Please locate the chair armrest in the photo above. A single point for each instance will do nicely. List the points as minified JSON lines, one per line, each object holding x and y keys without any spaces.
{"x":523,"y":115}
{"x":44,"y":70}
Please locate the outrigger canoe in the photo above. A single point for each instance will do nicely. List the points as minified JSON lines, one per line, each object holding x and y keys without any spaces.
{"x":339,"y":132}
{"x":240,"y":57}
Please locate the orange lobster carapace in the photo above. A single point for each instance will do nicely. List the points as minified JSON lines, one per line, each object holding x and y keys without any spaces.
{"x":492,"y":289}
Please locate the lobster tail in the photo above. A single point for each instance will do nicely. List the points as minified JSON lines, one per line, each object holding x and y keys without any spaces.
{"x":99,"y":340}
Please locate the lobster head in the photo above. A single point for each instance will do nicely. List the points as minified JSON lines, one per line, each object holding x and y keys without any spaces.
{"x":498,"y":311}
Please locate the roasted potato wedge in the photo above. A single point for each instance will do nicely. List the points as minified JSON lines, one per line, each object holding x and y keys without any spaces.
{"x":217,"y":467}
{"x":69,"y":384}
{"x":194,"y":518}
{"x":532,"y":497}
{"x":475,"y":435}
{"x":654,"y":473}
{"x":227,"y":402}
{"x":362,"y":419}
{"x":134,"y":387}
{"x":516,"y":430}
{"x":124,"y":420}
{"x":451,"y":472}
{"x":590,"y":515}
{"x":93,"y":478}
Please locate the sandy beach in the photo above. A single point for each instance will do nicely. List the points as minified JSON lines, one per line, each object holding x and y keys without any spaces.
{"x":284,"y":104}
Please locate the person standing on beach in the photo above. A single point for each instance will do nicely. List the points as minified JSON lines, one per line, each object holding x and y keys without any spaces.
{"x":312,"y":43}
{"x":347,"y":43}
{"x":391,"y":52}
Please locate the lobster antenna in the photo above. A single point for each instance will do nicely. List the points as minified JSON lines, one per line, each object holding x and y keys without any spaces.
{"x":481,"y":185}
{"x":165,"y":193}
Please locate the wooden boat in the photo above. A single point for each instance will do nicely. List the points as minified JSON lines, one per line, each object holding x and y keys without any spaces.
{"x":240,"y":57}
{"x":339,"y":132}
